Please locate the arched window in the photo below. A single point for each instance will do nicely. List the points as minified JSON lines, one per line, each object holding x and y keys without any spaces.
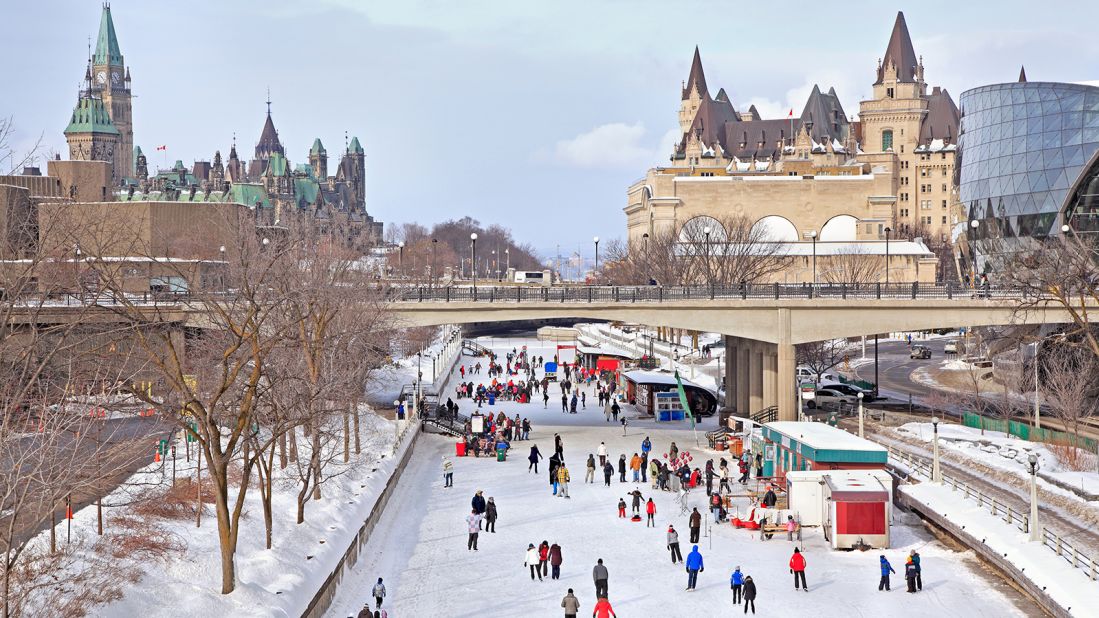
{"x":887,"y":140}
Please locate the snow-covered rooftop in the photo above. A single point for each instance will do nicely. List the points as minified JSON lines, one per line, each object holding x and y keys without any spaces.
{"x":658,"y":377}
{"x":821,"y":436}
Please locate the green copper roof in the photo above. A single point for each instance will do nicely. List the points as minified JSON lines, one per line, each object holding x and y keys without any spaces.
{"x":307,"y":190}
{"x":355,"y":147}
{"x":106,"y":46}
{"x":277,"y":165}
{"x":90,"y":116}
{"x":305,"y":170}
{"x":318,"y":147}
{"x":249,"y":194}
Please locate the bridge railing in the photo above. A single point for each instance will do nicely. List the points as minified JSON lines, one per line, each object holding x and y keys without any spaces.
{"x":659,"y":293}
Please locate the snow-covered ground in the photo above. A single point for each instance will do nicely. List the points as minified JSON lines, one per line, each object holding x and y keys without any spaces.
{"x":419,"y":547}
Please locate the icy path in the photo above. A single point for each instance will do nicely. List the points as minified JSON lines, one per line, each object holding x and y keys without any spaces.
{"x":419,"y":546}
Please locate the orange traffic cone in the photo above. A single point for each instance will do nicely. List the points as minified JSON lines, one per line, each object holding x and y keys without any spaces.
{"x":156,"y":456}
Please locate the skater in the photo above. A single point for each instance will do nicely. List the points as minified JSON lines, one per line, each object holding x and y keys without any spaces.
{"x":694,"y":566}
{"x":743,"y":472}
{"x":532,"y":562}
{"x":637,"y":498}
{"x":709,"y":477}
{"x":563,"y":481}
{"x":543,"y":558}
{"x":379,"y":593}
{"x":797,"y":567}
{"x":621,"y":508}
{"x":572,"y":403}
{"x":749,"y":594}
{"x":490,"y":516}
{"x":635,"y":465}
{"x":448,"y":472}
{"x":608,"y":472}
{"x":673,"y":452}
{"x":650,"y":510}
{"x":673,"y":544}
{"x":723,"y":478}
{"x":759,"y":465}
{"x":910,"y":574}
{"x":602,"y":452}
{"x":571,"y":604}
{"x":644,"y":466}
{"x":624,"y":424}
{"x":545,"y":399}
{"x":584,"y":400}
{"x":791,"y":527}
{"x":622,"y":468}
{"x":558,"y":445}
{"x":479,"y":505}
{"x":695,"y":524}
{"x":600,"y":575}
{"x":564,"y":401}
{"x":554,"y":463}
{"x":886,"y":569}
{"x":603,"y":609}
{"x":654,"y":473}
{"x":474,"y":521}
{"x":555,"y":561}
{"x":736,"y":584}
{"x":589,"y":476}
{"x":716,"y":507}
{"x":646,"y":446}
{"x":915,"y":555}
{"x":615,"y":409}
{"x":533,"y":458}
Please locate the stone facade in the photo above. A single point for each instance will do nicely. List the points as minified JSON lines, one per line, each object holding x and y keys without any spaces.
{"x":816,"y":175}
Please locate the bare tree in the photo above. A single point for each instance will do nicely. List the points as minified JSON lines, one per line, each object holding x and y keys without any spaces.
{"x":1069,"y":383}
{"x":12,"y":161}
{"x":821,"y":356}
{"x":855,"y":267}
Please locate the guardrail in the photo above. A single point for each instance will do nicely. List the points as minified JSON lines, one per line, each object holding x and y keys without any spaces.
{"x":659,"y":293}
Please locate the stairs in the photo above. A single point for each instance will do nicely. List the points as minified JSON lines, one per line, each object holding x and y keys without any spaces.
{"x":766,"y":415}
{"x":453,"y":425}
{"x":474,"y":348}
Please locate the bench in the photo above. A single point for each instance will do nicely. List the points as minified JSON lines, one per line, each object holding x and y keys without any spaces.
{"x":767,"y":531}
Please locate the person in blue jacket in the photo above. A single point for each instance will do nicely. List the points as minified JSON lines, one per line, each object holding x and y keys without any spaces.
{"x":694,"y":565}
{"x":886,"y":569}
{"x":646,"y":445}
{"x":736,"y":583}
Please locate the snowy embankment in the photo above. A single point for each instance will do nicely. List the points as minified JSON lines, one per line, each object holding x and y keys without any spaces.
{"x":1066,"y":585}
{"x":279,"y":581}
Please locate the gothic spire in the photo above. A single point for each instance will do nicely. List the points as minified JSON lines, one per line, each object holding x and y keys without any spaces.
{"x":899,"y":53}
{"x":106,"y":45}
{"x":697,"y":79}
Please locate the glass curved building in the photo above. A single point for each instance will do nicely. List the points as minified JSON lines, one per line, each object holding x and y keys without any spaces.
{"x":1029,"y":164}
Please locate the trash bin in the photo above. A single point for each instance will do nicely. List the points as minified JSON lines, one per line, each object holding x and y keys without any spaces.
{"x":736,"y":447}
{"x":460,"y":448}
{"x":501,"y":454}
{"x":492,"y":399}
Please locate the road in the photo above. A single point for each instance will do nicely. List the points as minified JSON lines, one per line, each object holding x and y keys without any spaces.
{"x":895,"y":368}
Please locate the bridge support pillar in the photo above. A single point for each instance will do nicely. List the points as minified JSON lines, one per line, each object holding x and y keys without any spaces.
{"x":786,"y":370}
{"x":743,"y":371}
{"x":770,"y":367}
{"x":728,"y":406}
{"x":755,"y":399}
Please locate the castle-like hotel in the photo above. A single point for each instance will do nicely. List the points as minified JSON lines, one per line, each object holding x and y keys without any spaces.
{"x":101,"y":129}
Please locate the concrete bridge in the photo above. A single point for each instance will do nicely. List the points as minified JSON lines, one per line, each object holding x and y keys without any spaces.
{"x":761,"y":324}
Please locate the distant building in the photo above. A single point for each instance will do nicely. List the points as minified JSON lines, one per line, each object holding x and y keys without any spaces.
{"x":817,"y":175}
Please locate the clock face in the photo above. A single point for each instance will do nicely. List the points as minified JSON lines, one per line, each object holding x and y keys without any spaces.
{"x":115,"y":77}
{"x":101,"y":77}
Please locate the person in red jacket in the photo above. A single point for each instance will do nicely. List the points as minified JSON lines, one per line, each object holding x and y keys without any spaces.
{"x":543,"y":558}
{"x":603,"y":609}
{"x":650,"y":509}
{"x":797,"y":567}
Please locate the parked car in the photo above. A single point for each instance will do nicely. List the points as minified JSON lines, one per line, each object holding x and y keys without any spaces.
{"x":827,"y":396}
{"x":853,"y":391}
{"x":951,"y":347}
{"x":920,"y":351}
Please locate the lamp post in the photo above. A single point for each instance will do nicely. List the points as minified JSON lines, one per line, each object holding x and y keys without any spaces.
{"x":400,"y":254}
{"x":813,"y":237}
{"x":1037,"y":398}
{"x":473,"y":258}
{"x":1035,"y":527}
{"x":861,"y":433}
{"x":596,"y":241}
{"x":973,"y":225}
{"x":645,"y":252}
{"x":507,"y":260}
{"x":434,"y":275}
{"x":887,"y":231}
{"x":936,"y":467}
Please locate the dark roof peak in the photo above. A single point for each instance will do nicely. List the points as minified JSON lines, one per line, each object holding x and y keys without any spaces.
{"x":899,"y":53}
{"x":697,"y":78}
{"x":1022,"y":73}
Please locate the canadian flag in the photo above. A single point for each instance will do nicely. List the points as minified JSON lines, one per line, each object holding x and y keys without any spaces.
{"x":166,"y":148}
{"x":791,"y":114}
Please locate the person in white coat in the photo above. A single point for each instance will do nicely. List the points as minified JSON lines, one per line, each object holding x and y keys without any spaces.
{"x":602,"y":452}
{"x":532,"y":562}
{"x":474,"y":521}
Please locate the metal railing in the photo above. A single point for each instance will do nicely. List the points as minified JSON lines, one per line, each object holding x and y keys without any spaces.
{"x":1071,"y":554}
{"x":658,"y":293}
{"x":996,"y":507}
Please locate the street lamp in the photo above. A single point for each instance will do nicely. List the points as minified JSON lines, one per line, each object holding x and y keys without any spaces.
{"x":887,"y":231}
{"x":507,"y":259}
{"x":596,"y":241}
{"x":974,"y":224}
{"x":645,"y":250}
{"x":400,"y":264}
{"x":813,"y":237}
{"x":861,"y":433}
{"x":434,"y":275}
{"x":1035,"y":527}
{"x":936,"y":467}
{"x":473,"y":258}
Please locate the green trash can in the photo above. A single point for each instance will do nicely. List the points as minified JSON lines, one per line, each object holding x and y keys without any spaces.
{"x":501,"y":454}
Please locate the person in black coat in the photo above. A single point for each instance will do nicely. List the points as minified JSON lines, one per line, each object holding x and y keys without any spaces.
{"x":770,"y":499}
{"x":622,"y":468}
{"x":554,"y":463}
{"x":749,"y":594}
{"x":608,"y":472}
{"x":490,"y":516}
{"x":479,"y":504}
{"x":533,"y":458}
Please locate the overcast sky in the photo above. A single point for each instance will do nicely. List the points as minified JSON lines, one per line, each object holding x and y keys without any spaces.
{"x":533,"y":114}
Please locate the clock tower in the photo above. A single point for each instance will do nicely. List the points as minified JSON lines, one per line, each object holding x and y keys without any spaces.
{"x":111,"y":84}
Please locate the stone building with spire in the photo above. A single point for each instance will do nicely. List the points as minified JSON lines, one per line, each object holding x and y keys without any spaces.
{"x":817,"y":181}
